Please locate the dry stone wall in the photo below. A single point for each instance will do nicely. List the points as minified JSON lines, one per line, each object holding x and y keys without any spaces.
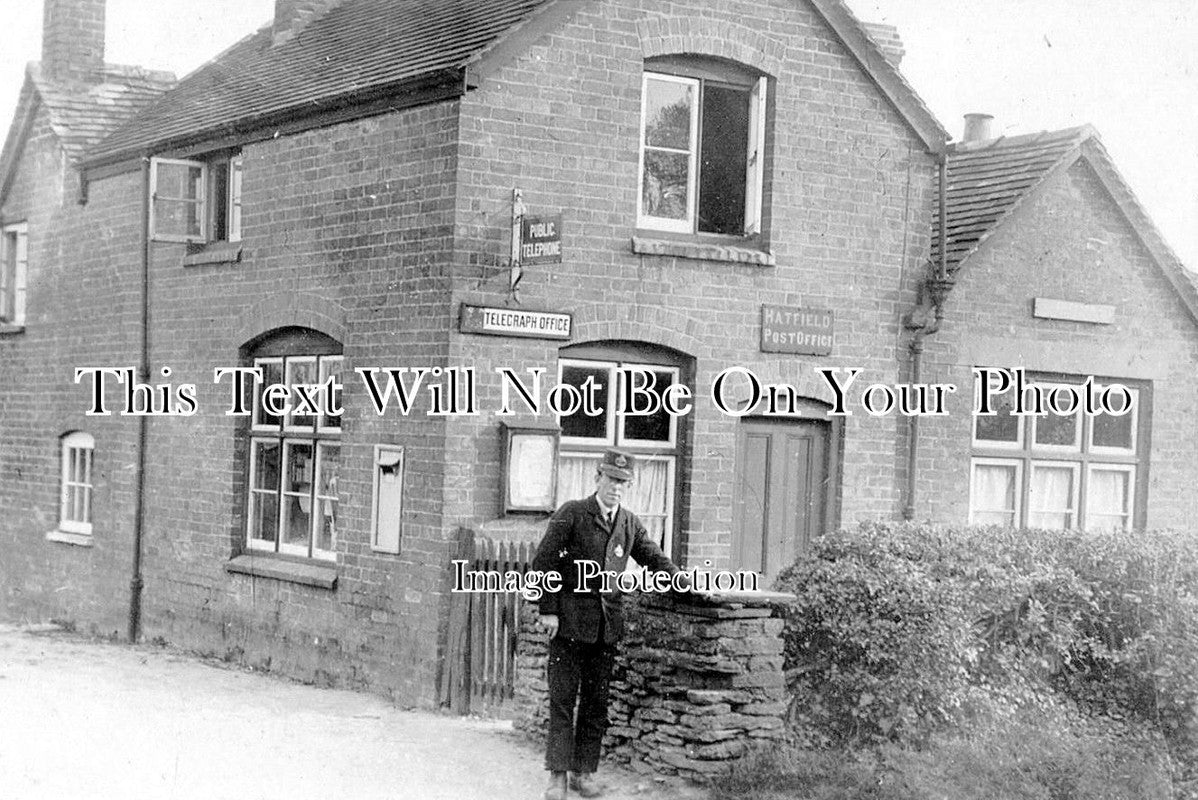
{"x":696,"y":684}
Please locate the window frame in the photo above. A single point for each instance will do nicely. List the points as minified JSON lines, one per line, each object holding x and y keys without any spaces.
{"x":1083,"y":457}
{"x":83,"y":443}
{"x":14,"y":276}
{"x":700,"y":73}
{"x":610,"y":357}
{"x":323,"y":441}
{"x":206,"y":205}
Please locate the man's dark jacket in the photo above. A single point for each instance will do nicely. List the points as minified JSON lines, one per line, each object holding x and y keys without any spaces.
{"x":577,"y":531}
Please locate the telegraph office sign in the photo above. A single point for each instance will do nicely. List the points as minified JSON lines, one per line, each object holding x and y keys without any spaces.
{"x":515,"y":322}
{"x":541,"y":240}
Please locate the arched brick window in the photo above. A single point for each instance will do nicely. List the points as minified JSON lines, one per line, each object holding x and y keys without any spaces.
{"x":656,"y":439}
{"x":294,"y":459}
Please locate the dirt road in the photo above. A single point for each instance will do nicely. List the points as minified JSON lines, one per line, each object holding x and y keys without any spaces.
{"x":89,"y":720}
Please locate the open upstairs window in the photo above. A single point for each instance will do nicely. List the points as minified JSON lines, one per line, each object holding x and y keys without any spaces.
{"x":702,"y":147}
{"x":196,"y":201}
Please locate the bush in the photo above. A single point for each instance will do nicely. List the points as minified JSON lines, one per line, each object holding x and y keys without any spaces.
{"x":877,"y":649}
{"x":902,"y":632}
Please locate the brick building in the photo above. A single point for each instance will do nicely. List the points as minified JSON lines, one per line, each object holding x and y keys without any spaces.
{"x":732,"y":184}
{"x":1055,"y":268}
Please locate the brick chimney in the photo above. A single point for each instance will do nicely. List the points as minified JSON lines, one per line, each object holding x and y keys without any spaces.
{"x":73,"y":40}
{"x":888,"y":40}
{"x":291,"y":16}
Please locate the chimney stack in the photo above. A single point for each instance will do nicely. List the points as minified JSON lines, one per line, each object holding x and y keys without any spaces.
{"x":291,"y":16}
{"x":977,"y":128}
{"x":73,"y":40}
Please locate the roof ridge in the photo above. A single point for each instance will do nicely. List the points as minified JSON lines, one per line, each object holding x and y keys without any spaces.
{"x":1079,"y":133}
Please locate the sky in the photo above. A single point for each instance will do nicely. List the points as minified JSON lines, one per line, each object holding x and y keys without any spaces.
{"x":1128,"y":67}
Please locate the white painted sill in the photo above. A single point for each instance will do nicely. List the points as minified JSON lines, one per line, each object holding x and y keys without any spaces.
{"x":66,"y":537}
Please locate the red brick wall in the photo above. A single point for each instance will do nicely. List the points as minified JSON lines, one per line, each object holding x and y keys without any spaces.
{"x":1071,"y":242}
{"x":78,"y":312}
{"x":346,"y":229}
{"x":848,"y":212}
{"x":374,"y":231}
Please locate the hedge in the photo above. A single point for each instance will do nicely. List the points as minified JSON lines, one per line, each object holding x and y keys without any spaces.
{"x":902,"y":633}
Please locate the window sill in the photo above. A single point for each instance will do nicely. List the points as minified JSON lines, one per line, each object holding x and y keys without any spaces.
{"x":322,"y":576}
{"x":702,"y":251}
{"x":66,"y":537}
{"x":9,"y":328}
{"x":214,"y":253}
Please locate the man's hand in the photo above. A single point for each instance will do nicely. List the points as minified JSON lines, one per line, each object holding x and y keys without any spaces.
{"x":550,"y":623}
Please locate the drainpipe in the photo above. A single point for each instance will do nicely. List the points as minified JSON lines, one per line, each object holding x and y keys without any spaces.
{"x":937,"y":289}
{"x":135,"y":583}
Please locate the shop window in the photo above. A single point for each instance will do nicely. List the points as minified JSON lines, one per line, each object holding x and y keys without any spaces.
{"x":654,"y":439}
{"x":75,"y":503}
{"x":1060,"y":471}
{"x":14,"y":258}
{"x":196,"y":201}
{"x":294,"y":455}
{"x":702,"y":148}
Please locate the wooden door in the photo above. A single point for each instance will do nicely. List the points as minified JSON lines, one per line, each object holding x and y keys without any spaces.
{"x":782,"y":491}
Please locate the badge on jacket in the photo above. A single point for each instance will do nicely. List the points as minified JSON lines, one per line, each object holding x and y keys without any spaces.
{"x":619,"y":551}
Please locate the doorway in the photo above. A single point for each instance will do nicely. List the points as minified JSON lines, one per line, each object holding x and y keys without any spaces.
{"x":783,"y":491}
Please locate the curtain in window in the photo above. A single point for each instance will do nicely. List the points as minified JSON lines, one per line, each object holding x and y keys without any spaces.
{"x":1107,"y":502}
{"x":1052,"y":498}
{"x":994,"y":494}
{"x":648,"y":499}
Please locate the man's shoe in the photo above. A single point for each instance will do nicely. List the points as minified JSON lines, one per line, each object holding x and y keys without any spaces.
{"x":585,"y":784}
{"x":557,"y":786}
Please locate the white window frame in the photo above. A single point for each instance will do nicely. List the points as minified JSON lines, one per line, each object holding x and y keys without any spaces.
{"x":201,"y":210}
{"x":1034,"y":424}
{"x":1018,"y":494}
{"x":621,"y":421}
{"x":205,"y":209}
{"x":1134,"y":414}
{"x":13,"y":286}
{"x":77,"y":487}
{"x":644,"y":220}
{"x":1073,"y":511}
{"x":754,"y":158}
{"x":609,"y":411}
{"x":1083,"y":457}
{"x":1129,"y":514}
{"x":287,"y":435}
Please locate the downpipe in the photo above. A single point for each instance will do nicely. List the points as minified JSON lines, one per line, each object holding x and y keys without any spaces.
{"x":135,"y":582}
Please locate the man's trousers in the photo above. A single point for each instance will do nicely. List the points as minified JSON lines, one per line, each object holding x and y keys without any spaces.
{"x":578,"y":673}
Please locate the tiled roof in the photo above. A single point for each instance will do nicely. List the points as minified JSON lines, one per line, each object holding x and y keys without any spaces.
{"x":357,"y":50}
{"x":987,"y":180}
{"x":81,"y":115}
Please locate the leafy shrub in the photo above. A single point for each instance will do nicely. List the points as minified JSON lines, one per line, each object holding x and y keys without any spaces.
{"x":877,"y":648}
{"x":902,"y":631}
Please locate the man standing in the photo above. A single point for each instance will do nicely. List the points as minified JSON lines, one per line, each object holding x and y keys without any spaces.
{"x":585,"y":625}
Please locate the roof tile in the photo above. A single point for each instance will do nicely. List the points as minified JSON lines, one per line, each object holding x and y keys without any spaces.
{"x":358,"y":47}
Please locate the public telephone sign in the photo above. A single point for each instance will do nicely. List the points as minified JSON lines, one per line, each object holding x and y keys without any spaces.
{"x":541,"y":240}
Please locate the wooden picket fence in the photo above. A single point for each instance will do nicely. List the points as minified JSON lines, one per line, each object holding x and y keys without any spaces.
{"x":480,"y":665}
